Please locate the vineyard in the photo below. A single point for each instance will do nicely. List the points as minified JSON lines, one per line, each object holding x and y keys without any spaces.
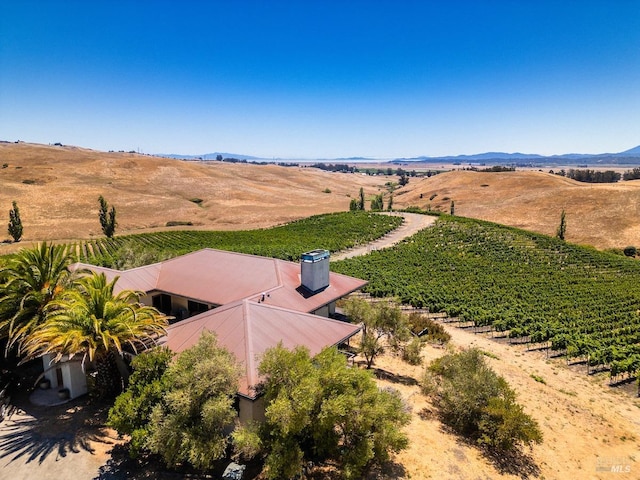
{"x":333,"y":232}
{"x":532,"y":288}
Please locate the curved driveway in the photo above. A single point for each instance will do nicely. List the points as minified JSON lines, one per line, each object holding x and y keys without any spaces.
{"x":413,"y":223}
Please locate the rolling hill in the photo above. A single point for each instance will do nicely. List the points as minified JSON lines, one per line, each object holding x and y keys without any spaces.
{"x":602,"y":215}
{"x":57,"y":190}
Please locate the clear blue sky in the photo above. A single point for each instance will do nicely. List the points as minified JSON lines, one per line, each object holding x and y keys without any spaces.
{"x":322,"y":79}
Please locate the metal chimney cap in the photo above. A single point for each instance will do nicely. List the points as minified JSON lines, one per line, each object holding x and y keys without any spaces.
{"x":315,"y":255}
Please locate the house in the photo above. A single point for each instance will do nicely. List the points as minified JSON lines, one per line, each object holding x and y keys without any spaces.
{"x":252,"y":303}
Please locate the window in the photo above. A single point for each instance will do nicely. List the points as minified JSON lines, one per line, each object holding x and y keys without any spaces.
{"x":196,"y":307}
{"x":162,"y":302}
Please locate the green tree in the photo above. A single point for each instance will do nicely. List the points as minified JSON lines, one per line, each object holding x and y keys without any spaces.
{"x":390,"y":204}
{"x":354,"y":205}
{"x":383,"y":320}
{"x":320,"y":409}
{"x":377,"y":203}
{"x":358,"y":424}
{"x":192,"y":423}
{"x":29,"y":281}
{"x":131,"y":412}
{"x":15,"y":223}
{"x":562,"y":228}
{"x":131,"y":255}
{"x":362,"y":199}
{"x":452,"y":208}
{"x":107,"y":218}
{"x":90,"y":320}
{"x":476,"y":402}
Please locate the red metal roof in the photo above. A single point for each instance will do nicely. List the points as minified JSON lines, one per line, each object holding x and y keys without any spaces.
{"x":262,"y":301}
{"x":220,"y":277}
{"x":248,"y":328}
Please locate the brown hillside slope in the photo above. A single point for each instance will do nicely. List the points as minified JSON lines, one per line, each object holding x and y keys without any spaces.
{"x":602,"y":215}
{"x":57,"y":191}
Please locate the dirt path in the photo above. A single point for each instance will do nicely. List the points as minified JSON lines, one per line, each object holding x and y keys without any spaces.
{"x":413,"y":223}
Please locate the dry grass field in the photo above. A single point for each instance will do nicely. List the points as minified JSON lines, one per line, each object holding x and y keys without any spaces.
{"x":57,"y":190}
{"x":605,"y":215}
{"x":585,"y":423}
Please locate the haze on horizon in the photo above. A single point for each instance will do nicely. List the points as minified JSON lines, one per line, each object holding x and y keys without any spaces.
{"x":322,"y":79}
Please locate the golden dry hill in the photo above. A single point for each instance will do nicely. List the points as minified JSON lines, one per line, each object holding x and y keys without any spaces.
{"x":57,"y":190}
{"x":605,"y":215}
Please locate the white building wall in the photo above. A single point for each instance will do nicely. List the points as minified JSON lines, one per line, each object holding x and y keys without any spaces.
{"x":74,"y":378}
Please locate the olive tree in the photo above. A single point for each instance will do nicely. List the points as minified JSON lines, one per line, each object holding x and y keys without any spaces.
{"x":320,"y":409}
{"x":381,"y":321}
{"x":192,"y":422}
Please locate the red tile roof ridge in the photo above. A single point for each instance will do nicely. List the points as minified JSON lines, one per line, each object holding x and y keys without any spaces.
{"x":249,"y":354}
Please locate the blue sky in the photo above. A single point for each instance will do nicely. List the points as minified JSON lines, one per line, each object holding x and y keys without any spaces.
{"x":322,"y":79}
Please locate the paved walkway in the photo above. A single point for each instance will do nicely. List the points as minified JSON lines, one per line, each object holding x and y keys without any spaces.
{"x":413,"y":223}
{"x":60,"y":442}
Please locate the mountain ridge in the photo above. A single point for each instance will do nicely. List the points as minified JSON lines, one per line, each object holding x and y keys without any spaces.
{"x":632,"y":154}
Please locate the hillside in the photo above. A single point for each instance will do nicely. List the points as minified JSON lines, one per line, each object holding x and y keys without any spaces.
{"x":57,"y":191}
{"x":601,"y":215}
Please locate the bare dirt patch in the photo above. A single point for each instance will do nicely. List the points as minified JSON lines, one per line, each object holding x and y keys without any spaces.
{"x":585,"y":423}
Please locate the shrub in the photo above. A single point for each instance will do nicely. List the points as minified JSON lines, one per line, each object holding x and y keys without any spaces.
{"x":132,"y":254}
{"x":320,"y":409}
{"x":178,"y":223}
{"x":411,"y":351}
{"x":474,"y":401}
{"x":423,"y":326}
{"x":630,"y":251}
{"x":131,"y":410}
{"x":192,"y":422}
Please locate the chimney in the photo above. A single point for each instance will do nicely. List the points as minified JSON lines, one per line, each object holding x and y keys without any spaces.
{"x":314,"y":269}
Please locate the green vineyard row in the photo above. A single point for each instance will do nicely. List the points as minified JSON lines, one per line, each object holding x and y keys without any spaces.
{"x":334,"y":232}
{"x":578,"y":300}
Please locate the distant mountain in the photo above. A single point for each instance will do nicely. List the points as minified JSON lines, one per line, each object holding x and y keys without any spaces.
{"x":631,"y":156}
{"x":207,"y":156}
{"x":631,"y":151}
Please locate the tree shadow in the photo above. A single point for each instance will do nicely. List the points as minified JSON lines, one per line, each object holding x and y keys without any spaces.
{"x":387,"y":471}
{"x":31,"y":434}
{"x":394,"y":378}
{"x":515,"y":462}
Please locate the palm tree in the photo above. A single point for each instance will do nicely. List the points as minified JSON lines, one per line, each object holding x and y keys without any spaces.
{"x":28,"y":282}
{"x":91,"y":321}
